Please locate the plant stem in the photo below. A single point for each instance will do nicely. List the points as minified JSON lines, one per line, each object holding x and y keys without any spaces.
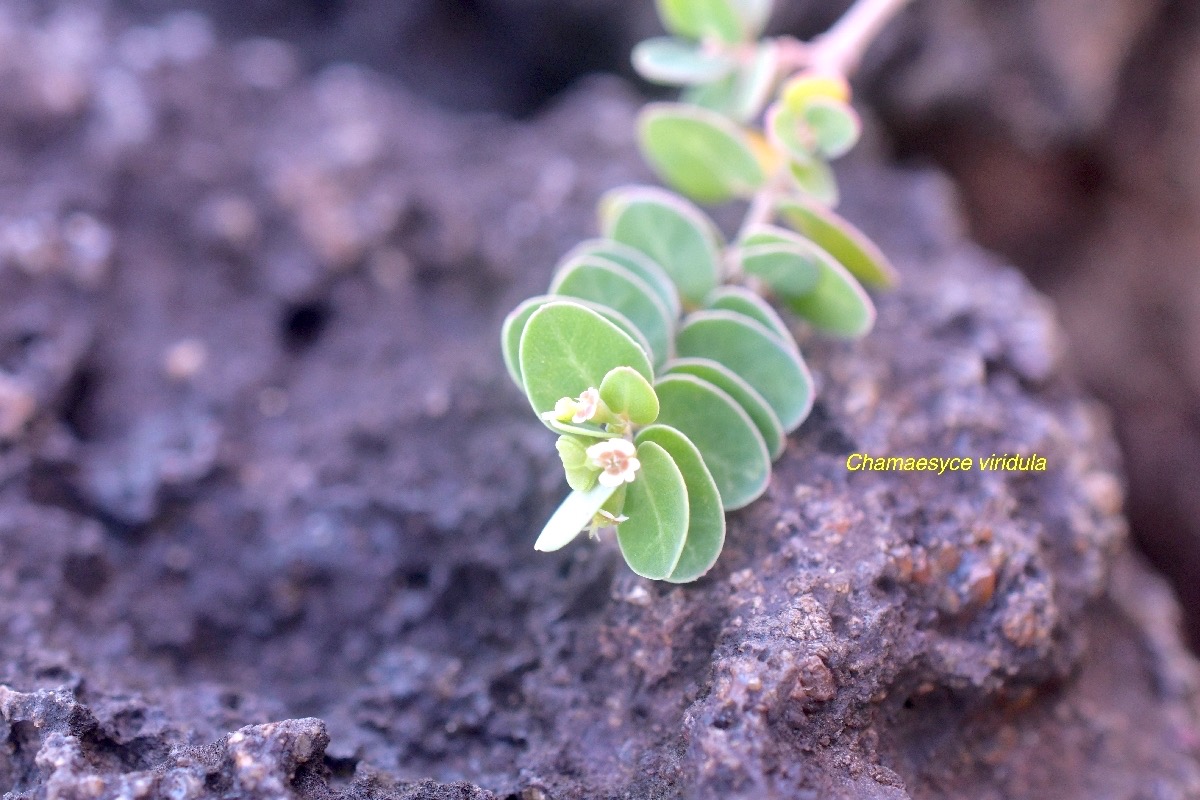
{"x":762,"y":206}
{"x":760,"y":212}
{"x":840,"y":49}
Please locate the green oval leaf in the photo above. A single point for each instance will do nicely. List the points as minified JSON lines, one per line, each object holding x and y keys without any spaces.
{"x":675,"y":62}
{"x":514,"y":326}
{"x":510,"y":335}
{"x":604,"y":282}
{"x":626,"y":392}
{"x":633,"y":260}
{"x":731,"y":445}
{"x":701,"y":19}
{"x":706,"y":515}
{"x":741,"y":300}
{"x":789,"y":270}
{"x":720,"y":96}
{"x":572,"y":516}
{"x":656,"y":504}
{"x":671,"y":231}
{"x":751,"y":351}
{"x":835,"y":126}
{"x":742,"y":95}
{"x":850,"y":246}
{"x":837,"y":305}
{"x":567,"y":349}
{"x":755,"y":82}
{"x":787,"y":262}
{"x":728,"y":381}
{"x":699,"y":152}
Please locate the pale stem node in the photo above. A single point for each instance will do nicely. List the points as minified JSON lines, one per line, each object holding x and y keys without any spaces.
{"x":840,"y":49}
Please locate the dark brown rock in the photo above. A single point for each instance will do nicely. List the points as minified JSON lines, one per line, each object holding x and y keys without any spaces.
{"x":267,"y":531}
{"x":1070,"y":126}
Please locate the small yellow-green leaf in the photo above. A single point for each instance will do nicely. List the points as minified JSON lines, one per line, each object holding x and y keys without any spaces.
{"x":786,"y":130}
{"x":701,"y":19}
{"x":835,"y":126}
{"x":754,"y":15}
{"x":741,"y":300}
{"x":575,"y":513}
{"x":633,"y":260}
{"x":816,"y":127}
{"x":816,"y":180}
{"x":850,"y":246}
{"x":676,"y":62}
{"x":670,"y":230}
{"x":777,"y":372}
{"x":731,"y":445}
{"x":627,"y":393}
{"x":699,"y":152}
{"x":572,"y":451}
{"x":601,"y":281}
{"x":656,"y":504}
{"x":742,"y":95}
{"x":514,"y":326}
{"x":725,"y":379}
{"x":567,"y":349}
{"x":581,"y":479}
{"x":808,"y":85}
{"x":706,"y":515}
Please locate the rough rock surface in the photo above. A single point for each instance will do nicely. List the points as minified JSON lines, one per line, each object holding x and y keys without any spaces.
{"x":262,"y":462}
{"x":1076,"y":157}
{"x":1068,"y":124}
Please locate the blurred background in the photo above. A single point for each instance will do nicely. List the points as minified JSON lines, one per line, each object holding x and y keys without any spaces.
{"x":1069,"y":126}
{"x":249,"y":251}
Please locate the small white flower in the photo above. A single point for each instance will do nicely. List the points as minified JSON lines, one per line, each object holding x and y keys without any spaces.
{"x":618,"y":460}
{"x":615,"y":519}
{"x":586,"y":406}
